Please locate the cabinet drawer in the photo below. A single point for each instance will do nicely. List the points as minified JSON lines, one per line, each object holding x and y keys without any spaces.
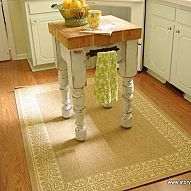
{"x":184,"y":17}
{"x":163,"y":11}
{"x":42,"y":7}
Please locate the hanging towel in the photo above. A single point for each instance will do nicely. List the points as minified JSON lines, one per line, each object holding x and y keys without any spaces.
{"x":106,"y":78}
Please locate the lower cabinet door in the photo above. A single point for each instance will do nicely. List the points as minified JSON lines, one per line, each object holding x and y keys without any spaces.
{"x":159,"y":46}
{"x":42,"y":39}
{"x":181,"y":59}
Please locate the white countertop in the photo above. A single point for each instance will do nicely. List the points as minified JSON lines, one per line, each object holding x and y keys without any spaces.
{"x":130,"y":1}
{"x":186,"y":3}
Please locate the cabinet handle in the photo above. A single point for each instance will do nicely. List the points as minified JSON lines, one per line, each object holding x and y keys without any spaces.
{"x":177,"y":31}
{"x":169,"y":28}
{"x":34,"y":21}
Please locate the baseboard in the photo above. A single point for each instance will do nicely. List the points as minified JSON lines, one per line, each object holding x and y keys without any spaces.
{"x":42,"y":67}
{"x":156,"y":76}
{"x":187,"y":97}
{"x":20,"y":57}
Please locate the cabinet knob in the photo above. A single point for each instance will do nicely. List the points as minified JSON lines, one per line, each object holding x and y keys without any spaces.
{"x":177,"y":31}
{"x":169,"y":28}
{"x":34,"y":21}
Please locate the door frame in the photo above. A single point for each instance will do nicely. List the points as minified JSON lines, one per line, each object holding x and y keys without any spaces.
{"x":8,"y":26}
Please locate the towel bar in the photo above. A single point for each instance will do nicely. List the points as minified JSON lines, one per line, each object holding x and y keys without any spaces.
{"x":92,"y":53}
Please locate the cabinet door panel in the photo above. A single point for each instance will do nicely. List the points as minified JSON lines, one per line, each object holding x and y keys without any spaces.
{"x":164,"y":11}
{"x":160,"y":46}
{"x":181,"y":63}
{"x":42,"y":39}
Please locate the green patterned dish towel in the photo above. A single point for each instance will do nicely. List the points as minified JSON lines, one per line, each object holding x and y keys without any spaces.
{"x":106,"y":78}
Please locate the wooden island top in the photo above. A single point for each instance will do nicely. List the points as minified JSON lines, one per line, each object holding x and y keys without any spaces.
{"x":71,"y":37}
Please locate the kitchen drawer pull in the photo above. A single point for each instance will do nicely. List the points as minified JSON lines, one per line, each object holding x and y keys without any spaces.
{"x":34,"y":21}
{"x":177,"y":31}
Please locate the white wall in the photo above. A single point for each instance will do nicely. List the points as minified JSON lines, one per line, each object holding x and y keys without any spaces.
{"x":17,"y":23}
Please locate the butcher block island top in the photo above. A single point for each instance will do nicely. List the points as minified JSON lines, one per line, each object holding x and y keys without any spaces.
{"x":71,"y":37}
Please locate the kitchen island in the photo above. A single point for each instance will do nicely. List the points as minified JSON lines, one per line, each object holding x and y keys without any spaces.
{"x":71,"y":50}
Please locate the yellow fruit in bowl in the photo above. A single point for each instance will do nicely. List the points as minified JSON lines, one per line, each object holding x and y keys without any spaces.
{"x":75,"y":4}
{"x":80,"y":14}
{"x":68,"y":14}
{"x":66,"y":4}
{"x":83,"y":2}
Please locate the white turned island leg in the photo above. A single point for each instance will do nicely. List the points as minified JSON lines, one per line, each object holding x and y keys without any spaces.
{"x":61,"y":65}
{"x":128,"y":89}
{"x":127,"y":71}
{"x":79,"y":81}
{"x":65,"y":92}
{"x":79,"y":109}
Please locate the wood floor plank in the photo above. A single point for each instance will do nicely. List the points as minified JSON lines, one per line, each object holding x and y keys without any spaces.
{"x":167,"y":98}
{"x":14,"y":174}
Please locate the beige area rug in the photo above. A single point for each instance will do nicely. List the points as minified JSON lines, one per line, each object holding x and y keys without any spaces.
{"x":112,"y":158}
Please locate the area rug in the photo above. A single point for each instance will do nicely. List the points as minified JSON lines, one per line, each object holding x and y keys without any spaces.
{"x":112,"y":158}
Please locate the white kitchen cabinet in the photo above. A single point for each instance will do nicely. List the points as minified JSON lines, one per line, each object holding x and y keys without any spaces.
{"x":168,"y":44}
{"x":160,"y":43}
{"x":42,"y":39}
{"x":181,"y":57}
{"x":40,"y":48}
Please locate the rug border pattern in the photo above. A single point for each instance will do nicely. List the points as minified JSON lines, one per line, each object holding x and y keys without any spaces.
{"x":48,"y":173}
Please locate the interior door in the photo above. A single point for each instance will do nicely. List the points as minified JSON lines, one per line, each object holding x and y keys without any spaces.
{"x":4,"y":47}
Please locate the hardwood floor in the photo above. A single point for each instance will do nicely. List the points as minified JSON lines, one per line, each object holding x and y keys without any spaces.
{"x":14,"y":174}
